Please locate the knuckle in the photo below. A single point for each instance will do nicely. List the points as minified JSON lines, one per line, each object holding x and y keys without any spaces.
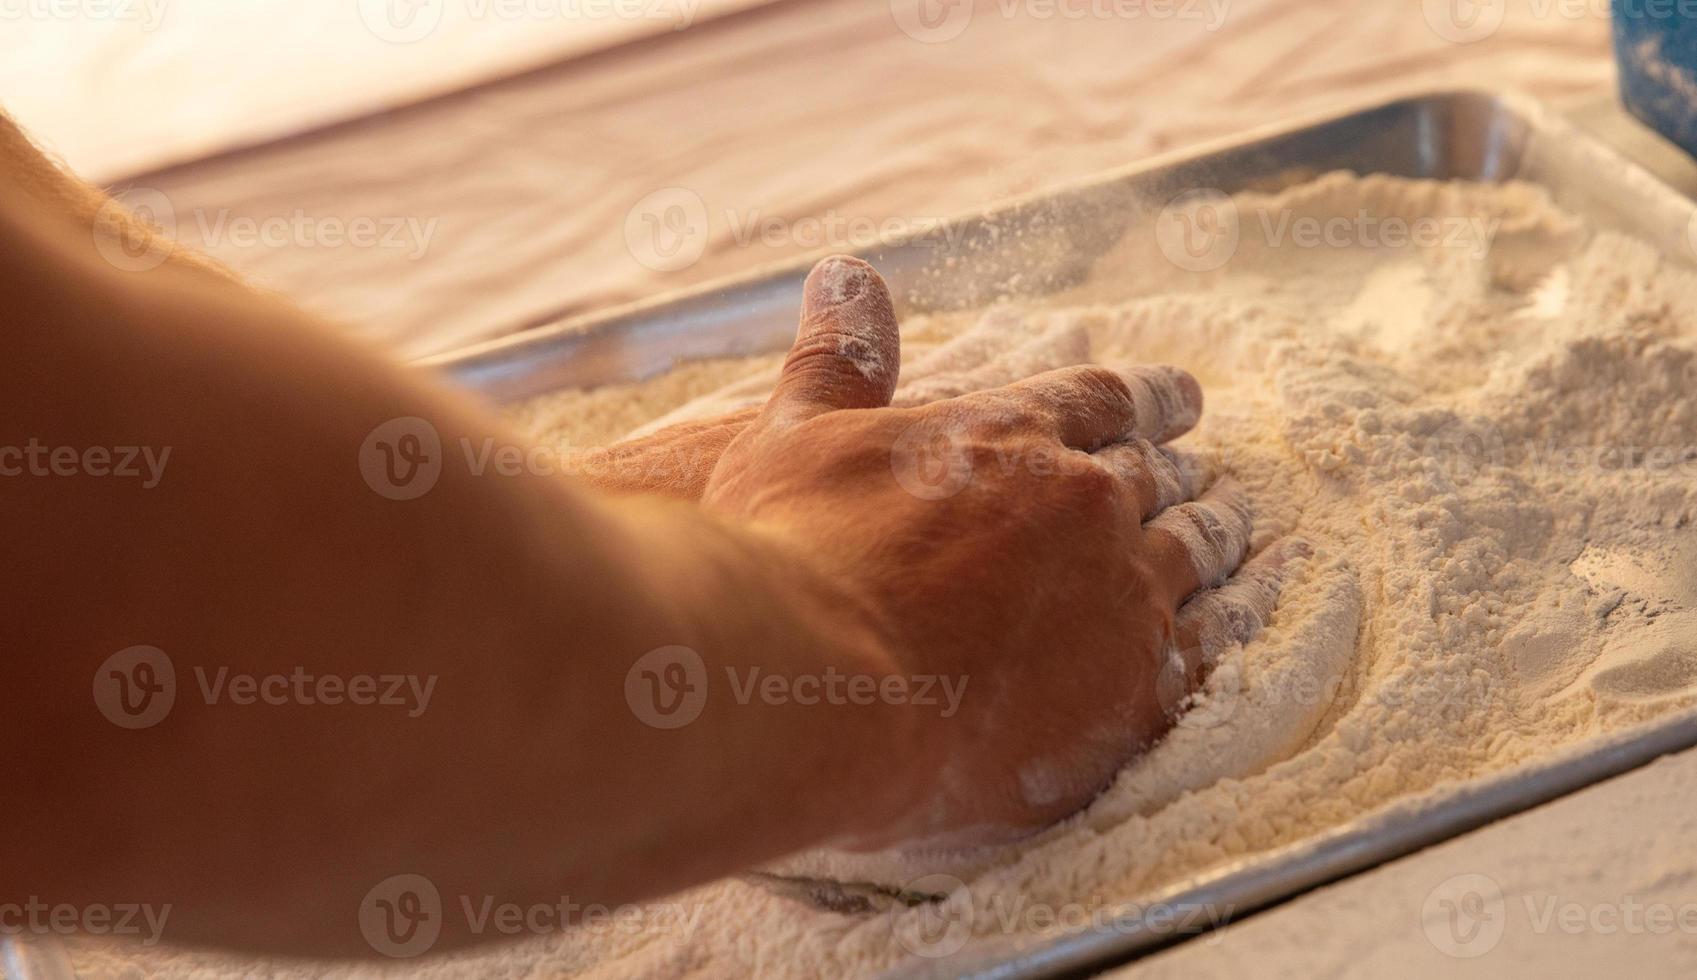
{"x":1103,"y":382}
{"x":816,"y":353}
{"x":1005,"y":412}
{"x":1090,"y":486}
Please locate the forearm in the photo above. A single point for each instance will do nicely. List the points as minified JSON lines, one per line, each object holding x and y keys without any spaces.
{"x":518,"y":603}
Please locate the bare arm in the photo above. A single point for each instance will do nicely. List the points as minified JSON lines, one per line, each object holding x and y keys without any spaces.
{"x":262,"y":549}
{"x":58,"y":198}
{"x":533,"y":752}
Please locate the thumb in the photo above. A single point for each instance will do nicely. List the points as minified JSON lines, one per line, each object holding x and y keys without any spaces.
{"x":847,"y":352}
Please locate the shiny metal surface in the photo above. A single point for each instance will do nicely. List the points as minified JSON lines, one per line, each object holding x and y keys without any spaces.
{"x":1047,"y":242}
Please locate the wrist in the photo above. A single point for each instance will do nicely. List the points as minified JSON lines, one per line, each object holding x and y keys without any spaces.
{"x":787,"y":636}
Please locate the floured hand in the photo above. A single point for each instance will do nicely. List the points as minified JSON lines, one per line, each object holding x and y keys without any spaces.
{"x":674,"y":454}
{"x":1038,"y":543}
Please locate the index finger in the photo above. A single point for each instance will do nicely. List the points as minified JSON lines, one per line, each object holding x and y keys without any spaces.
{"x":1092,"y":406}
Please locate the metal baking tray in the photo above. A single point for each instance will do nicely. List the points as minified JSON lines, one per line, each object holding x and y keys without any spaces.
{"x":1045,"y":243}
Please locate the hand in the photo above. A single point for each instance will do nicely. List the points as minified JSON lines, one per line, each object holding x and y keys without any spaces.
{"x":1037,"y":540}
{"x":674,"y":455}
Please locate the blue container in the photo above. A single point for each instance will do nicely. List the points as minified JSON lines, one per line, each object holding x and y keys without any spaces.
{"x":1656,"y":47}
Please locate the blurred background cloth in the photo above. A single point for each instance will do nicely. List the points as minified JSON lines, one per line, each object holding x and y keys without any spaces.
{"x":663,"y":143}
{"x":123,"y":85}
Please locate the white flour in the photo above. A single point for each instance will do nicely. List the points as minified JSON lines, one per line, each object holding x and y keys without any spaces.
{"x":1492,"y":451}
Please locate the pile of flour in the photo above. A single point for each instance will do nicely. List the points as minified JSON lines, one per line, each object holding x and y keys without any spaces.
{"x":1488,"y":437}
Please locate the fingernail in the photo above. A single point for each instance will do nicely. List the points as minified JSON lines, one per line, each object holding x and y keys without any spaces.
{"x":1189,"y":386}
{"x":1168,"y":399}
{"x":1184,"y":384}
{"x":834,"y":281}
